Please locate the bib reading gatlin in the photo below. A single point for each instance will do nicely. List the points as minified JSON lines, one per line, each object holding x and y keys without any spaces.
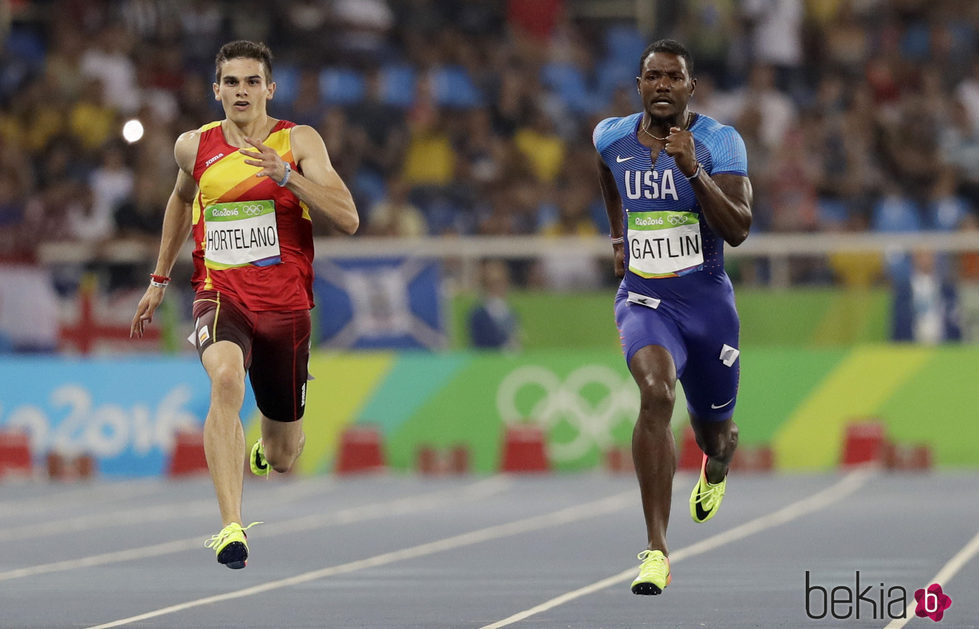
{"x":664,"y":244}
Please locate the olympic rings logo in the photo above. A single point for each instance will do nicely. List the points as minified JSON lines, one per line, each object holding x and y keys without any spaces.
{"x":252,"y":210}
{"x":589,"y":404}
{"x":677,"y":220}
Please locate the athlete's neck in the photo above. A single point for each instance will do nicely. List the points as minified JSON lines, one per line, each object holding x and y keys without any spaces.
{"x":659,"y":128}
{"x":258,"y":129}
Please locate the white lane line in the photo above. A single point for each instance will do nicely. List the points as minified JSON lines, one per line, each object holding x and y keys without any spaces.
{"x":284,"y":493}
{"x":534,"y":523}
{"x":846,"y":486}
{"x":475,"y":491}
{"x":944,"y":575}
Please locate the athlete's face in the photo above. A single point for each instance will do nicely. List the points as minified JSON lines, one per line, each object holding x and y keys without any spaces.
{"x":665,"y":85}
{"x":243,"y":90}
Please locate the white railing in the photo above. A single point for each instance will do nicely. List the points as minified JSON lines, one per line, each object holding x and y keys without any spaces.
{"x":468,"y":250}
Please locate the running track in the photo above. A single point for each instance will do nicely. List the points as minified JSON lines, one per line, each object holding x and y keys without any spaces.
{"x":479,"y":552}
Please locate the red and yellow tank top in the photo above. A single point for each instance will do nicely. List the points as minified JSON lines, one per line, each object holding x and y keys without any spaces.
{"x":253,"y":239}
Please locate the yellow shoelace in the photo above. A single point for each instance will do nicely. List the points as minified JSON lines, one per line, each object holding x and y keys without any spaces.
{"x":231,"y":529}
{"x":711,"y":494}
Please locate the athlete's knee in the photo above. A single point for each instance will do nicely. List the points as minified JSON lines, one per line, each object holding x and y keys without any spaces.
{"x":227,"y":377}
{"x":280,"y":459}
{"x":732,"y":440}
{"x":719,"y":441}
{"x":281,"y":454}
{"x":656,"y":398}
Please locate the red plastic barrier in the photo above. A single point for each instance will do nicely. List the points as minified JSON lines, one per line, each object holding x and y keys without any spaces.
{"x":524,"y":450}
{"x":15,"y":454}
{"x":360,"y":451}
{"x":865,"y":442}
{"x":187,"y":457}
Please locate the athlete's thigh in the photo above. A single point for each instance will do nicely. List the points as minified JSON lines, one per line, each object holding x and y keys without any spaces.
{"x":711,"y":379}
{"x":280,"y":362}
{"x":220,"y":319}
{"x":640,"y":326}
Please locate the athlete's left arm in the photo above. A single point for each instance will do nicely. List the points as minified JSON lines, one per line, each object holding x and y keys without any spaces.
{"x":726,"y":202}
{"x":318,"y":185}
{"x":724,"y":198}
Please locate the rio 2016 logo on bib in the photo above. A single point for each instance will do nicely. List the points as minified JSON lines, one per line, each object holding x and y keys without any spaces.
{"x":664,"y":244}
{"x":241,"y":234}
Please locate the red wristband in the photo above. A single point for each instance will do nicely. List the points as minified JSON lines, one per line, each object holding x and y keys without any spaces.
{"x":160,"y":281}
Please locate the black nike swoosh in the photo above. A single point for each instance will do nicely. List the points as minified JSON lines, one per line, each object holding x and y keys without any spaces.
{"x":701,"y":514}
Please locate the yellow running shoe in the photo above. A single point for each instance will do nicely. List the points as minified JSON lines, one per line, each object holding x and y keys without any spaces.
{"x":706,"y":498}
{"x":230,"y":545}
{"x":257,"y":461}
{"x":654,"y":573}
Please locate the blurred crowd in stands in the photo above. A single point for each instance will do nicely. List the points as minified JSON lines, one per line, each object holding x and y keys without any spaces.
{"x":475,"y":117}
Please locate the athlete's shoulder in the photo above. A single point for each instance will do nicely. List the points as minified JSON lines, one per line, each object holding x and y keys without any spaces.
{"x":209,"y":126}
{"x":186,"y":147}
{"x":725,"y":144}
{"x":705,"y":126}
{"x":195,"y":135}
{"x":304,"y":132}
{"x":205,"y":134}
{"x":305,"y":141}
{"x":286,"y":130}
{"x":611,"y":129}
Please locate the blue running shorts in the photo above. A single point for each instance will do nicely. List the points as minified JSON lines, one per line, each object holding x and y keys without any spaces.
{"x":702,"y":337}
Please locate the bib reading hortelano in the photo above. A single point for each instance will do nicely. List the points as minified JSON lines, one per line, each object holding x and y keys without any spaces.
{"x":240,"y":234}
{"x":664,"y":244}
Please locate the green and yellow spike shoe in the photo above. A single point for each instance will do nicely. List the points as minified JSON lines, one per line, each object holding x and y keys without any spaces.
{"x":231,"y":545}
{"x":706,"y":498}
{"x":654,"y":573}
{"x":260,"y":466}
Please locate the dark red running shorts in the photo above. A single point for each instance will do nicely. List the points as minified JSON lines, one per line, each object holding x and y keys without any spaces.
{"x":275,"y":346}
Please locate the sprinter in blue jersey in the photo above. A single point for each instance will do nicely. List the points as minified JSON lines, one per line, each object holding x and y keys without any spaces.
{"x":676,"y":188}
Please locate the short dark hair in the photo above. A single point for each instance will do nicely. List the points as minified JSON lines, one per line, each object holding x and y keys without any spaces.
{"x":671,"y":46}
{"x":243,"y":49}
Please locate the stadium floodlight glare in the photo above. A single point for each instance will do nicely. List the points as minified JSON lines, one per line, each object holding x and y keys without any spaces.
{"x":132,"y":131}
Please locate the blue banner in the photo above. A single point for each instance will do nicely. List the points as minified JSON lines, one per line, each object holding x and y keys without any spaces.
{"x":375,"y":303}
{"x":123,"y":412}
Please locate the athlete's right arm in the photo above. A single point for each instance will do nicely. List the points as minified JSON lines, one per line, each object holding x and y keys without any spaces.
{"x":176,"y":227}
{"x":613,"y":207}
{"x":316,"y":182}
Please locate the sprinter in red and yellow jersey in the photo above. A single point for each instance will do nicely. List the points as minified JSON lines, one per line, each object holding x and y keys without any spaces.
{"x":247,"y":188}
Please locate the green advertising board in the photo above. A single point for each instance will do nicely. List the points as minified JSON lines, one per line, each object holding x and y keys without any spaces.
{"x":811,"y":317}
{"x":796,"y":399}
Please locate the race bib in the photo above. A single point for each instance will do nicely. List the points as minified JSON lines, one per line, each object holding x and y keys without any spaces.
{"x":664,"y":244}
{"x":240,"y":234}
